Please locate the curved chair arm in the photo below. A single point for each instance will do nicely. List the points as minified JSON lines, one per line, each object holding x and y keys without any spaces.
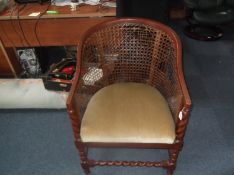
{"x":186,"y":101}
{"x":72,"y":100}
{"x":173,"y":86}
{"x":183,"y":115}
{"x":186,"y":98}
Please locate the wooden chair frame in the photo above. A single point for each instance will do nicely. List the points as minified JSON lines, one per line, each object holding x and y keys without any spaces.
{"x":180,"y":121}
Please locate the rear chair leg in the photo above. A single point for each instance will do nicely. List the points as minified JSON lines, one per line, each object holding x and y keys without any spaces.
{"x":83,"y":157}
{"x":85,"y":168}
{"x":170,"y":171}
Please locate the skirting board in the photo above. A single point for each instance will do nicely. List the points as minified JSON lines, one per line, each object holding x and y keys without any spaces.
{"x":29,"y":93}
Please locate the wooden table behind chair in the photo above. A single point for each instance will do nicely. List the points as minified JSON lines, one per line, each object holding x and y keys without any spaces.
{"x":64,"y":28}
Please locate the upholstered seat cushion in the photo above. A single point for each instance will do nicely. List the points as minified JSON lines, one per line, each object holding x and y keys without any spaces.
{"x":128,"y":112}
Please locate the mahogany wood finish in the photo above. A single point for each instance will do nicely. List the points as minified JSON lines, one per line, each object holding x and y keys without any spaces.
{"x":49,"y":32}
{"x":64,"y":28}
{"x":5,"y":66}
{"x":18,"y":29}
{"x":9,"y":64}
{"x":111,"y":46}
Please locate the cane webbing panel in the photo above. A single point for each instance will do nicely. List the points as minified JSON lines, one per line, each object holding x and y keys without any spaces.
{"x":128,"y":113}
{"x":129,"y":52}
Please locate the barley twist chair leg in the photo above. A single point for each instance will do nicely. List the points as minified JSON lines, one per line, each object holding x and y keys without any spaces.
{"x":170,"y":171}
{"x":83,"y":157}
{"x":85,"y":168}
{"x":173,"y":155}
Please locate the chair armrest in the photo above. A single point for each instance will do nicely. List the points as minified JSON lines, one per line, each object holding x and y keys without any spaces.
{"x":183,"y":114}
{"x":186,"y":98}
{"x":72,"y":100}
{"x":171,"y":83}
{"x":73,"y":111}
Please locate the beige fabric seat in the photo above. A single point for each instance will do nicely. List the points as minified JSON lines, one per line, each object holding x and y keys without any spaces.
{"x":128,"y":112}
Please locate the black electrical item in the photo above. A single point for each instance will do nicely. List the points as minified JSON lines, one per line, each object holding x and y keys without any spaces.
{"x":60,"y":75}
{"x":151,"y":9}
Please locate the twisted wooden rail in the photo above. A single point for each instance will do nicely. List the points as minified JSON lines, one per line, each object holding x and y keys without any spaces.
{"x":129,"y":163}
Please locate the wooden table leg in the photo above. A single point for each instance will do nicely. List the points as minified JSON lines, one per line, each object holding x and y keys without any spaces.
{"x":9,"y":63}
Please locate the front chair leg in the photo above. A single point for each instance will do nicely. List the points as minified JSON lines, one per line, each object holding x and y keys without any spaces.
{"x":173,"y":155}
{"x":83,"y":157}
{"x":170,"y":171}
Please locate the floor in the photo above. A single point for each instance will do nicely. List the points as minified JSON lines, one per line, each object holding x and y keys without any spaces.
{"x":39,"y":142}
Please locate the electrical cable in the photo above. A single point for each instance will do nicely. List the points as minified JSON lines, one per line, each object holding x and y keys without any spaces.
{"x":35,"y":32}
{"x":13,"y":7}
{"x":39,"y":17}
{"x":12,"y":24}
{"x":4,"y":31}
{"x":21,"y":33}
{"x":21,"y":28}
{"x":19,"y":22}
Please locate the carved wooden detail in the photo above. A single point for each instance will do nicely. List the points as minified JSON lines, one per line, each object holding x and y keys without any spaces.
{"x":83,"y":157}
{"x":181,"y":125}
{"x":129,"y":163}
